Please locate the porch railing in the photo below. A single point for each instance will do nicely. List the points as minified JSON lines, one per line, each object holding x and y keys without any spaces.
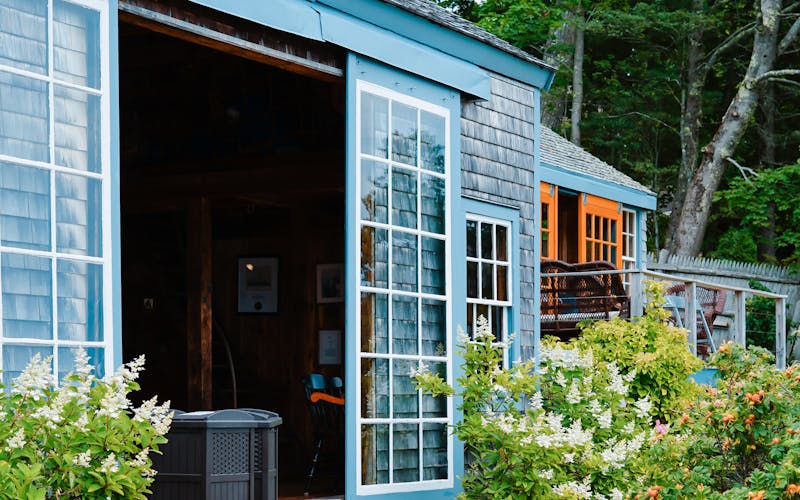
{"x":739,"y":329}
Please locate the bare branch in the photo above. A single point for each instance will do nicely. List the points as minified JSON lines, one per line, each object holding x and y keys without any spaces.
{"x":778,"y":73}
{"x":743,"y":170}
{"x":785,"y":81}
{"x":713,"y":56}
{"x":645,"y":115}
{"x":790,"y":37}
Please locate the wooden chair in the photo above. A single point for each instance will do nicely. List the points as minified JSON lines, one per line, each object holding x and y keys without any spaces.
{"x":709,"y":304}
{"x":326,"y":404}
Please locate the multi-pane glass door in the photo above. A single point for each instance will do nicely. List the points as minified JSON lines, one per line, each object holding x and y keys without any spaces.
{"x":404,"y":291}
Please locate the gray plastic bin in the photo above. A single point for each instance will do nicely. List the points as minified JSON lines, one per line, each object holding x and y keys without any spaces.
{"x":219,"y":455}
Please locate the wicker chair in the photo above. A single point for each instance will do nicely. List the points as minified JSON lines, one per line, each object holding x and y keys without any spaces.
{"x":568,"y":300}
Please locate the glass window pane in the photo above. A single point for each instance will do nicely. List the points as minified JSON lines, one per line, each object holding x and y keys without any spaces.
{"x":405,"y":438}
{"x":501,"y":243}
{"x":404,"y":198}
{"x":374,"y":257}
{"x":27,"y":297}
{"x":470,"y":319}
{"x":545,"y":218}
{"x":405,"y":336}
{"x":472,"y":238}
{"x":404,"y":134}
{"x":545,"y":245}
{"x":613,"y":231}
{"x":499,"y":322}
{"x":374,"y":125}
{"x":487,"y":281}
{"x":17,"y":357}
{"x":605,"y":223}
{"x":432,"y":141}
{"x":24,"y":207}
{"x":597,"y":227}
{"x":435,"y":407}
{"x":375,"y":454}
{"x":374,"y":388}
{"x":502,"y":282}
{"x":374,"y":191}
{"x":472,"y":279}
{"x":434,"y":451}
{"x":434,"y":328}
{"x":404,"y":261}
{"x":405,"y":397}
{"x":433,"y":266}
{"x":588,"y":226}
{"x":23,"y":34}
{"x":24,"y":117}
{"x":433,"y":204}
{"x":487,"y":243}
{"x":80,"y":301}
{"x":78,"y":222}
{"x":76,"y":50}
{"x":77,"y":129}
{"x":374,"y":323}
{"x":66,"y":361}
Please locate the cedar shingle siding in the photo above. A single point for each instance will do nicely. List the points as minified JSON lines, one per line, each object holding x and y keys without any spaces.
{"x":497,"y":144}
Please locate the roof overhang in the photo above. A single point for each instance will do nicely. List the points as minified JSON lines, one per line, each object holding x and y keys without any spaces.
{"x":393,"y":36}
{"x":598,"y":187}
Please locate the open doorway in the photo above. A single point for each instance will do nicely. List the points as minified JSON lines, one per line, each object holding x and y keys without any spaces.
{"x":567,"y":225}
{"x":227,"y":162}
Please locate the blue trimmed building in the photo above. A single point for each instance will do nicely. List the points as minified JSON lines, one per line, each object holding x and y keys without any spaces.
{"x":182,"y":178}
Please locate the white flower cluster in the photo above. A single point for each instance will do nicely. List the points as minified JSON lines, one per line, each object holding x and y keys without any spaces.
{"x":160,"y":416}
{"x":558,"y":357}
{"x":617,"y":451}
{"x":35,"y":379}
{"x":574,"y":490}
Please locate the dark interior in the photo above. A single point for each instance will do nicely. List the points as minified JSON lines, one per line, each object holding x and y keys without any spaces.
{"x":567,"y":226}
{"x":264,"y":148}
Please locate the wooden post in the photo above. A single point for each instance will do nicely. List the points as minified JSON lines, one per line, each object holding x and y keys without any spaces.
{"x":739,"y":318}
{"x":198,"y":304}
{"x":780,"y":333}
{"x":690,"y":313}
{"x":637,"y":291}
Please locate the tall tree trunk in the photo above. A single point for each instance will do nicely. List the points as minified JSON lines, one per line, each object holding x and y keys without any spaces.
{"x":577,"y":78}
{"x":691,"y":117}
{"x":766,"y":130}
{"x":697,"y":205}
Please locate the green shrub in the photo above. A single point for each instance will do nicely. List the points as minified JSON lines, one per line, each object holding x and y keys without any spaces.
{"x":80,"y":439}
{"x":739,"y":440}
{"x":568,"y":431}
{"x":648,"y":344}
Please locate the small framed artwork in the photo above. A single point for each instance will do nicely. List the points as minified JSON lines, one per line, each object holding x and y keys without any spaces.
{"x":330,"y":283}
{"x":258,"y":285}
{"x":330,"y":347}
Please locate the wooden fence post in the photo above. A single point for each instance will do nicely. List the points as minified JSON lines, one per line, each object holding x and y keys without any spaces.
{"x":690,"y":313}
{"x":739,"y":318}
{"x":780,"y":333}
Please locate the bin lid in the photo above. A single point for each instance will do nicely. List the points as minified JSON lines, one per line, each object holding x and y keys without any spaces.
{"x":265,"y":418}
{"x":216,"y":419}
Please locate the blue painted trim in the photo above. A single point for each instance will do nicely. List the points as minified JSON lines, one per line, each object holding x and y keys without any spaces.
{"x":292,"y":16}
{"x":326,"y":24}
{"x":592,"y":185}
{"x":489,"y":209}
{"x":351,"y":272}
{"x":362,"y":68}
{"x":537,"y":224}
{"x":445,"y":40}
{"x":116,"y":243}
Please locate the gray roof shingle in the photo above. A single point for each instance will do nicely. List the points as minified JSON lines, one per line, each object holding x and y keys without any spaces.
{"x":559,"y":152}
{"x":443,"y":17}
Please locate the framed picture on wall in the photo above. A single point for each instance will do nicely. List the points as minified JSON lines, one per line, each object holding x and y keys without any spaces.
{"x":330,"y":283}
{"x":258,"y":285}
{"x":330,"y":347}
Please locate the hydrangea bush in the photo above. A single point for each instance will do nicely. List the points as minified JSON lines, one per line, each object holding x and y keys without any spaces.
{"x":564,"y":429}
{"x":80,"y":438}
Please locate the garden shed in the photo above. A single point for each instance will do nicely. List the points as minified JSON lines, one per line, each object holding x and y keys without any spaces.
{"x":280,"y":188}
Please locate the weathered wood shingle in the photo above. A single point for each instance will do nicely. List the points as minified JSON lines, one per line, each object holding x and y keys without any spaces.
{"x":497,"y":145}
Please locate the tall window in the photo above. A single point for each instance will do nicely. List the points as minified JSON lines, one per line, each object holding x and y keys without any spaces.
{"x":54,"y":190}
{"x":489,"y":274}
{"x":404,"y":290}
{"x":628,"y":243}
{"x":549,"y":220}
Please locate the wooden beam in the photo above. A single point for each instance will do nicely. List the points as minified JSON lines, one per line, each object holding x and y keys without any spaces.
{"x":198,"y":304}
{"x":194,"y":26}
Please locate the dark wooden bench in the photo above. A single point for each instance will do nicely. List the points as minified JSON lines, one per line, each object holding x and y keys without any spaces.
{"x":567,"y":300}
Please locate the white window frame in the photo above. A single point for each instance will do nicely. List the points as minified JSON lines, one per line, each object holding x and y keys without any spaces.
{"x":107,"y":344}
{"x":506,"y":305}
{"x":422,"y":485}
{"x":629,"y":258}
